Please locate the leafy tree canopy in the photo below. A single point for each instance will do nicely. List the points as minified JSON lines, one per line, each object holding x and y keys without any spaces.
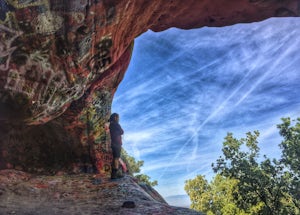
{"x":247,"y":184}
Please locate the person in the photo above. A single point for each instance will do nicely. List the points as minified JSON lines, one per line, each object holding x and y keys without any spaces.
{"x":116,"y":133}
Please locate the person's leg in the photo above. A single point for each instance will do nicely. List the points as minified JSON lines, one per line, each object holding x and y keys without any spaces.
{"x":113,"y":173}
{"x":115,"y":164}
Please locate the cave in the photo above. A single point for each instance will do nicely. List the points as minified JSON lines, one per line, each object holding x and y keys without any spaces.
{"x":61,"y":63}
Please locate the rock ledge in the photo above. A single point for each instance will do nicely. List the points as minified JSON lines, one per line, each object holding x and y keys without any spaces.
{"x":26,"y":194}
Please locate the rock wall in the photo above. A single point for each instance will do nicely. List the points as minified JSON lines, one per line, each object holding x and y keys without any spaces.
{"x":61,"y":62}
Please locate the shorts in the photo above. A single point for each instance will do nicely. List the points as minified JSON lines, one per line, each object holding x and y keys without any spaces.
{"x":116,"y":149}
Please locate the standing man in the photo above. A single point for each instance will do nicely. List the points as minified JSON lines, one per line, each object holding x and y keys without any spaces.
{"x":116,"y":143}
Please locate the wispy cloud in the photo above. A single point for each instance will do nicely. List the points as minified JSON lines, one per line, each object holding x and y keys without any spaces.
{"x":184,"y":90}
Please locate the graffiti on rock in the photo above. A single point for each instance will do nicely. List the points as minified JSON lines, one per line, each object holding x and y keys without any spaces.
{"x":99,"y":62}
{"x":96,"y":135}
{"x":7,"y":36}
{"x":47,"y":23}
{"x":50,"y":53}
{"x":52,"y":50}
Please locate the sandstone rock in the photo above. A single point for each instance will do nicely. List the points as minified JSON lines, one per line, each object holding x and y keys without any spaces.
{"x":54,"y":51}
{"x":22,"y":193}
{"x":60,"y":64}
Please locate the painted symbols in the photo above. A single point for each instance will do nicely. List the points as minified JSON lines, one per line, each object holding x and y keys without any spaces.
{"x":84,"y":47}
{"x":51,"y":51}
{"x":47,"y":23}
{"x":26,"y":3}
{"x":102,"y":58}
{"x":7,"y":36}
{"x":96,"y":134}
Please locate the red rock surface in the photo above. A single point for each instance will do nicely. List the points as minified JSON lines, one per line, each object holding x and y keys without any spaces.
{"x":52,"y":51}
{"x":84,"y":194}
{"x":61,"y":62}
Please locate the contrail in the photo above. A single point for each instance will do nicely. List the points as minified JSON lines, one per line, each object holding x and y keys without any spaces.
{"x":241,"y":84}
{"x":209,"y":117}
{"x":266,"y":74}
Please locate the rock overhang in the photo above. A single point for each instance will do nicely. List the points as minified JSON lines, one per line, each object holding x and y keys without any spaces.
{"x":53,"y":51}
{"x":62,"y":61}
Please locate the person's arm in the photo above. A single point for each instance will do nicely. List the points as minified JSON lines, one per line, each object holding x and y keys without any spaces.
{"x":116,"y":129}
{"x":121,"y":131}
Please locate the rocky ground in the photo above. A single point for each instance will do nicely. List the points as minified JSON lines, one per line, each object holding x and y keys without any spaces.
{"x":26,"y":194}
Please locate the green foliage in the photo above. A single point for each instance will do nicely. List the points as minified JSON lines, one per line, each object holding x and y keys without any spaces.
{"x":198,"y":191}
{"x":214,"y":198}
{"x":291,"y":156}
{"x":247,"y":184}
{"x":146,"y":179}
{"x":134,"y":167}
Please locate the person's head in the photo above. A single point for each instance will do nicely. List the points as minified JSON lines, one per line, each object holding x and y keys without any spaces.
{"x":114,"y":117}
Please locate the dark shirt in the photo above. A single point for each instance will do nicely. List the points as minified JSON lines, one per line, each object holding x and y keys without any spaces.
{"x":115,"y":133}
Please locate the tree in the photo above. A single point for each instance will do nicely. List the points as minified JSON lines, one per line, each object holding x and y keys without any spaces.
{"x":291,"y":156}
{"x":214,"y":198}
{"x":134,"y":167}
{"x":199,"y":192}
{"x":262,"y":186}
{"x":265,"y":187}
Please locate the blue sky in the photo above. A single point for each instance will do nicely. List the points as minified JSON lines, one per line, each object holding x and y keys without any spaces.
{"x":185,"y":89}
